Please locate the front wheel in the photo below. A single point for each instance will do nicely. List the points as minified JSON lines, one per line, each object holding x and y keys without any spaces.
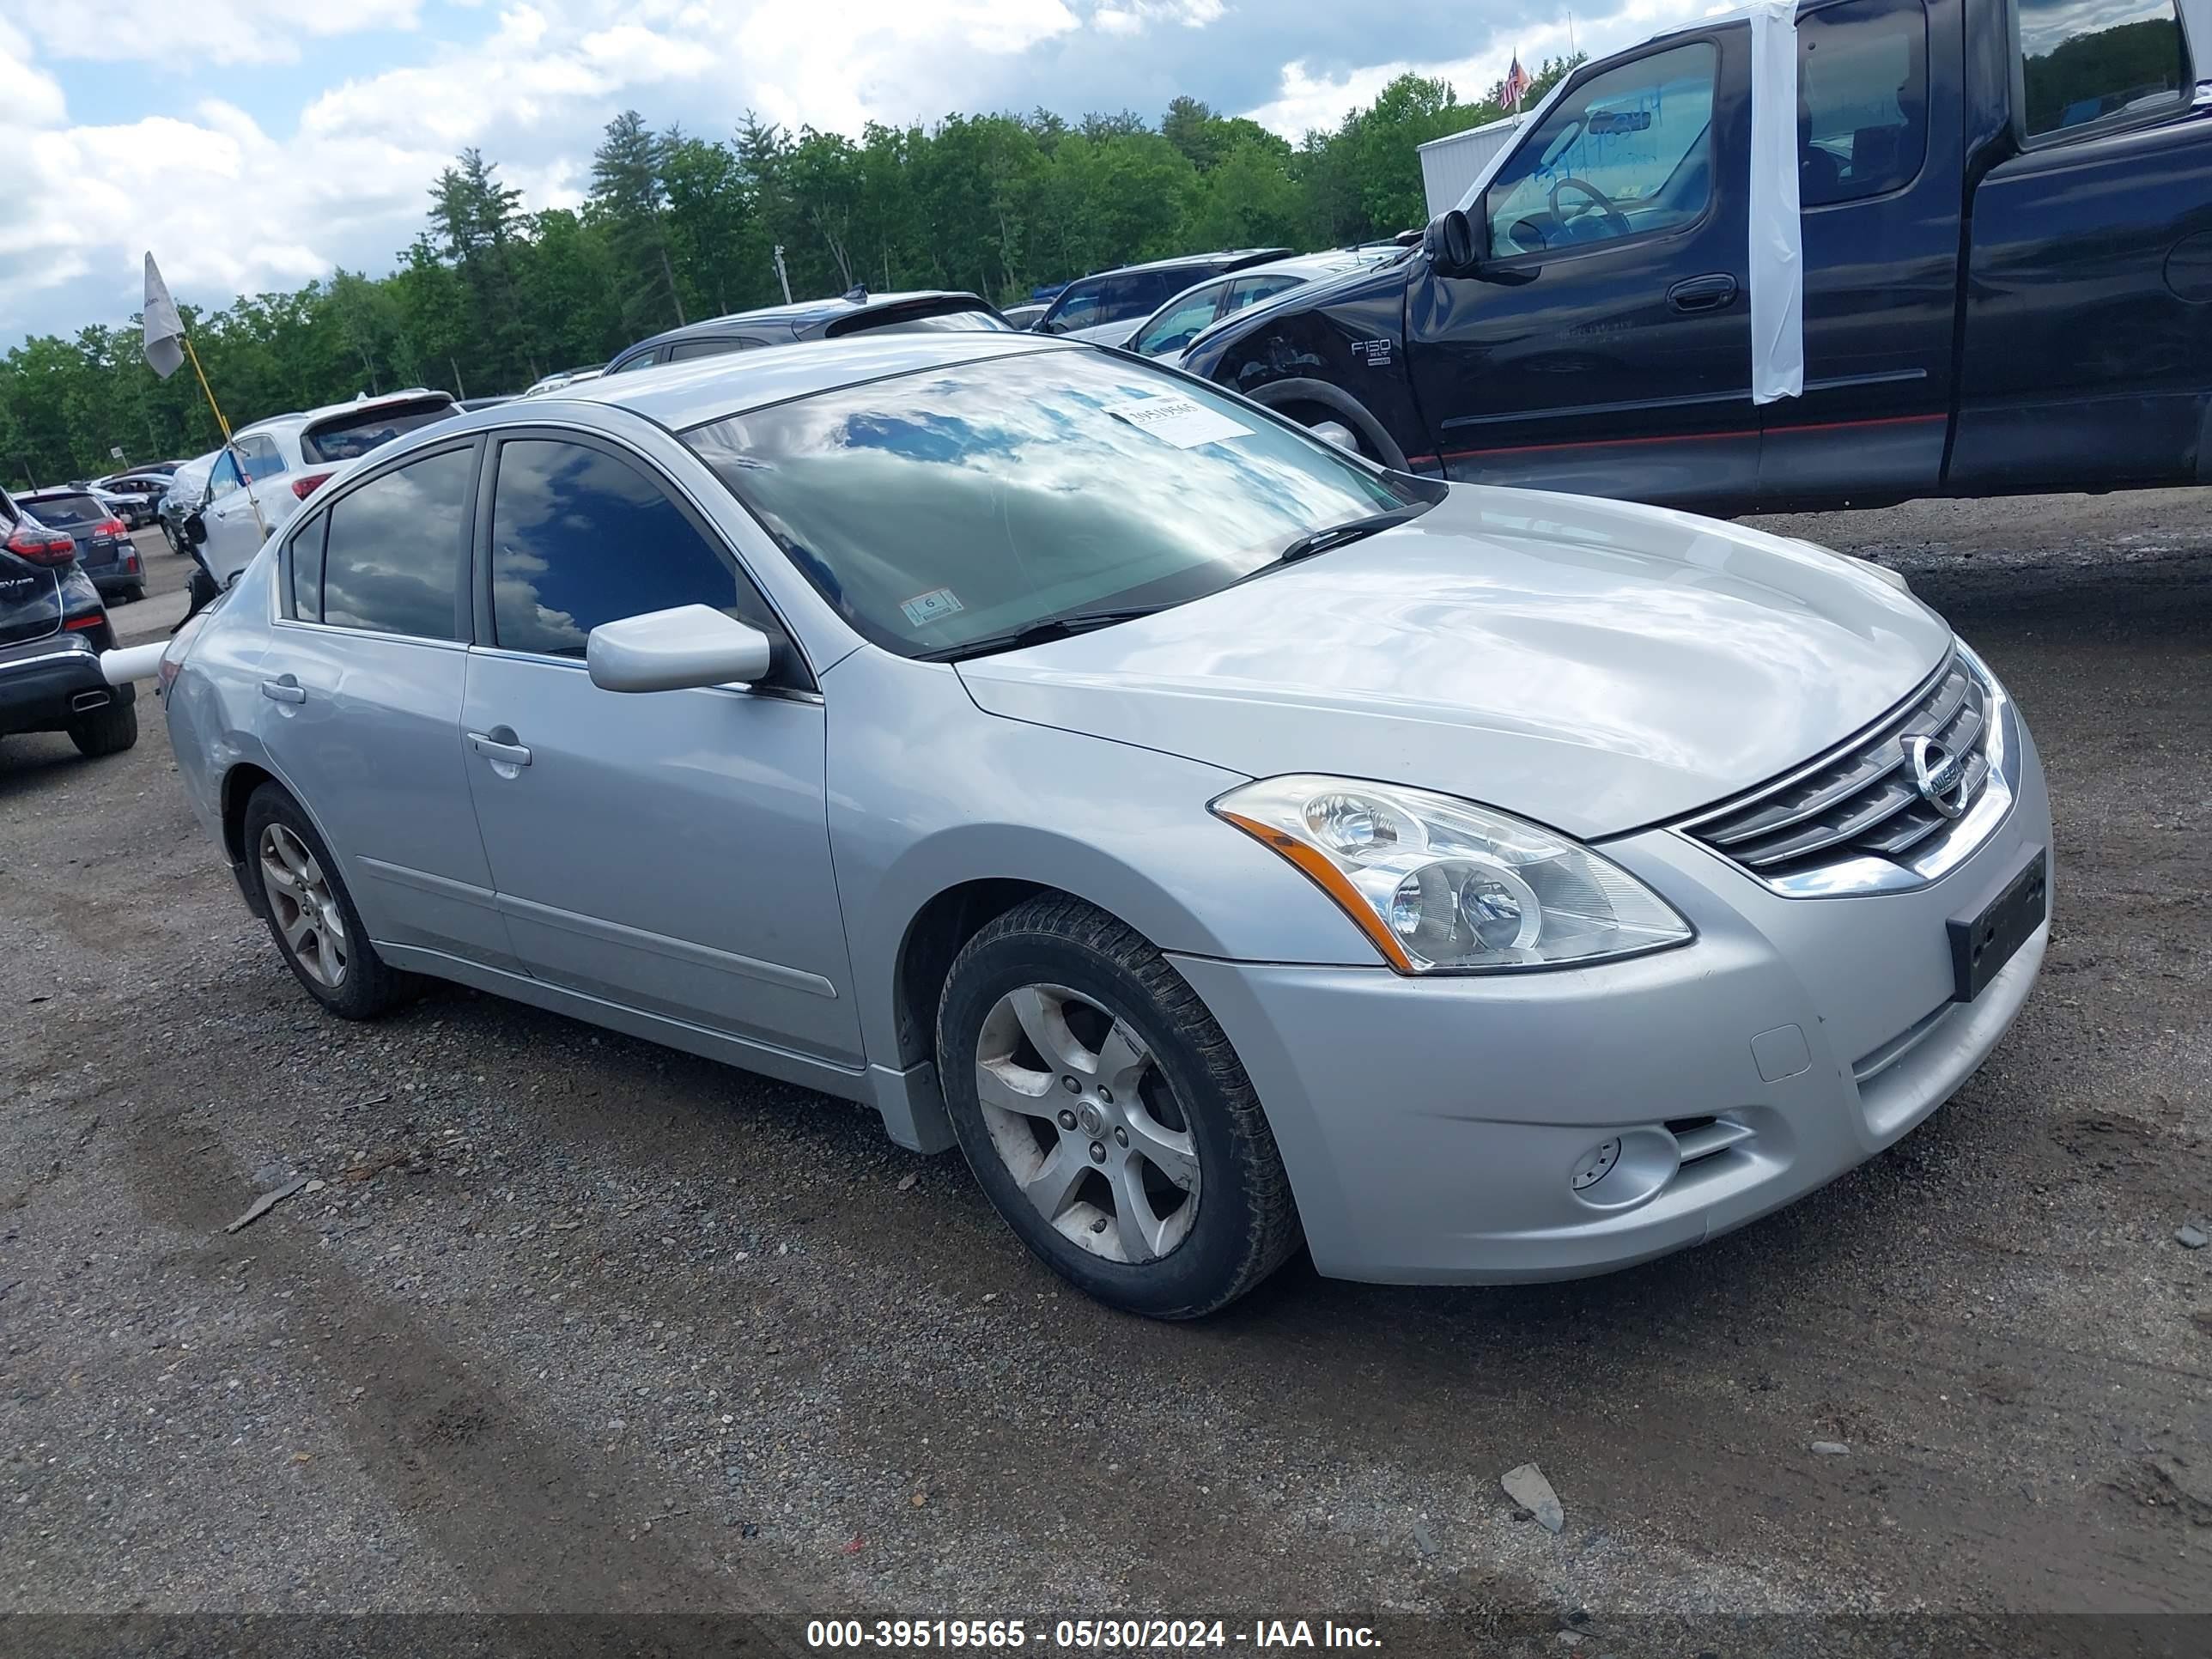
{"x":1107,"y":1117}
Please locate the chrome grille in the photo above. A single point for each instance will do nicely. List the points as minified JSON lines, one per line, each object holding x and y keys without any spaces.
{"x":1860,"y":801}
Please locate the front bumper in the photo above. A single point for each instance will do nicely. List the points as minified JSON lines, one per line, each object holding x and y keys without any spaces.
{"x":45,"y":685}
{"x":1433,"y":1128}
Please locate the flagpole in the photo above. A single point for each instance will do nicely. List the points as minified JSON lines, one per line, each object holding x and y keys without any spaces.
{"x":247,"y":478}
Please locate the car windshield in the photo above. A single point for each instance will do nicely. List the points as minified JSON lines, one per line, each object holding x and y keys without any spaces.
{"x":350,"y":437}
{"x":940,"y":509}
{"x":67,"y":512}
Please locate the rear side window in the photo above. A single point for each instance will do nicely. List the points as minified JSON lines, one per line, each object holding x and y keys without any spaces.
{"x":392,"y":558}
{"x":580,"y":537}
{"x":1861,"y":99}
{"x":258,"y":456}
{"x":2083,"y":65}
{"x":307,"y":560}
{"x":685,"y":350}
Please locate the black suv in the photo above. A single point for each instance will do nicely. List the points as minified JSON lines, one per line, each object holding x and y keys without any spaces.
{"x":1132,"y":292}
{"x":53,"y":629}
{"x":857,"y":313}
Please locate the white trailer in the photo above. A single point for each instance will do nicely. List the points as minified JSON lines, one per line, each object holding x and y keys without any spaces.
{"x":1450,"y":166}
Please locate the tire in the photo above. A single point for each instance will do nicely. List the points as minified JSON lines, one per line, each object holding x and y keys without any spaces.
{"x":362,"y":985}
{"x":108,"y":731}
{"x":1214,"y":1216}
{"x":137,"y":591}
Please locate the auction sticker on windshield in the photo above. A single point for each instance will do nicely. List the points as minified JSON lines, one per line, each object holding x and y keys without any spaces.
{"x":1179,"y":420}
{"x":935,"y":605}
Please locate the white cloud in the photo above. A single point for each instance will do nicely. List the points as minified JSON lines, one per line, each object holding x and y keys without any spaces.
{"x":1306,"y":101}
{"x":215,"y":31}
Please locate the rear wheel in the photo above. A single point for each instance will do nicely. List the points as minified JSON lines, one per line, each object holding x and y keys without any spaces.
{"x":310,"y":913}
{"x":108,"y":731}
{"x":1107,"y":1117}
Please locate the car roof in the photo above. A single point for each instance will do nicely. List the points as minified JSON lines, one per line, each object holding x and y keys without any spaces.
{"x":687,"y":394}
{"x":1225,"y":258}
{"x":801,"y":312}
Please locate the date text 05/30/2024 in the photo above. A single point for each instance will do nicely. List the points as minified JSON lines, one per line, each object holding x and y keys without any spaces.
{"x":1087,"y":1635}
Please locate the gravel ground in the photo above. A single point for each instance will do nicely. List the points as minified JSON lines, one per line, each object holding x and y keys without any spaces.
{"x":565,"y":1322}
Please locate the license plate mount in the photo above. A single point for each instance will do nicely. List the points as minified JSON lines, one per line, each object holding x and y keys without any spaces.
{"x":1983,"y":940}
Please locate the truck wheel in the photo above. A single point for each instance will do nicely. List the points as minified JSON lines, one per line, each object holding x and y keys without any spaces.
{"x":1106,"y":1116}
{"x":108,"y":731}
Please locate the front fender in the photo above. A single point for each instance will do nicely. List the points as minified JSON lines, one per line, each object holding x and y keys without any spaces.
{"x":944,"y":794}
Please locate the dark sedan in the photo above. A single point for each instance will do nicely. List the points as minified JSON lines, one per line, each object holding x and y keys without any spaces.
{"x":53,"y":629}
{"x":103,"y":541}
{"x":857,"y":313}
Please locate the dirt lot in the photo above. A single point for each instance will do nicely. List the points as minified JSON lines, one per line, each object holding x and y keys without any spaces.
{"x":572,"y":1323}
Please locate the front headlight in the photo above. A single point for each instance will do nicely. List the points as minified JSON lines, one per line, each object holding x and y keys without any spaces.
{"x":1442,"y":885}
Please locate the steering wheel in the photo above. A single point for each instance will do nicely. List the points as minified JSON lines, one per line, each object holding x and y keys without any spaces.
{"x":1615,"y":222}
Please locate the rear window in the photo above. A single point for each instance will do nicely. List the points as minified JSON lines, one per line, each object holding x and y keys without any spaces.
{"x":66,"y":512}
{"x":348,"y":437}
{"x":895,"y":322}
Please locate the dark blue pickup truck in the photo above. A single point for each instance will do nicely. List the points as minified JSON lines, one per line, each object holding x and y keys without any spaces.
{"x":2006,"y":214}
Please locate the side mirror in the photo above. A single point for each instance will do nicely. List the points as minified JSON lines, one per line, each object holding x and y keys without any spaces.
{"x":1450,"y":243}
{"x":1337,"y":433}
{"x":195,"y":530}
{"x":692,"y":645}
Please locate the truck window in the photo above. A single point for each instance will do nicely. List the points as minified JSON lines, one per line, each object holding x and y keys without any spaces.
{"x":2117,"y":62}
{"x":1629,"y":153}
{"x":1861,"y":99}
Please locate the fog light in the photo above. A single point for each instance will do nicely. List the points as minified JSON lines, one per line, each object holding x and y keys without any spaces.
{"x":1596,"y":1164}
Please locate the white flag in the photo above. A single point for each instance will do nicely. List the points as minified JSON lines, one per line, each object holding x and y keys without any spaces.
{"x":165,"y":330}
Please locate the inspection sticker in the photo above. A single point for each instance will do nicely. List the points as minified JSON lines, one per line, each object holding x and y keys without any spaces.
{"x":935,"y":605}
{"x":1181,"y":421}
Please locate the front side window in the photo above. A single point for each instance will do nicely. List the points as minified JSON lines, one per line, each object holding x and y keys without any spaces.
{"x":1077,"y":309}
{"x":1179,"y":326}
{"x":580,"y":537}
{"x":2081,"y":64}
{"x":1250,"y":291}
{"x":224,"y":478}
{"x":1861,"y":99}
{"x":940,"y":509}
{"x":391,"y":554}
{"x":1628,"y":153}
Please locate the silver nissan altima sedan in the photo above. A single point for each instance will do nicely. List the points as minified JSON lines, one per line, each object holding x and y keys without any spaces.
{"x":1229,"y":844}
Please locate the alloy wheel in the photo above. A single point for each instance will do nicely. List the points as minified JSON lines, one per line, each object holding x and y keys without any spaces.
{"x":1087,"y":1124}
{"x":306,"y":910}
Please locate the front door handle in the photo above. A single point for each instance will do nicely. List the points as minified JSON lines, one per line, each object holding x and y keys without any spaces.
{"x":498,"y":746}
{"x":286,"y":688}
{"x":1696,"y":294}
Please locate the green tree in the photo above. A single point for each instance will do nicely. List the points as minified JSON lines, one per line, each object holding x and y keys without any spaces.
{"x":629,"y":197}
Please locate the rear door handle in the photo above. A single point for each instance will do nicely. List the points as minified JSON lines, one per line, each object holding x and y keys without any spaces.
{"x":1696,"y":294}
{"x":489,"y":745}
{"x":285,"y":688}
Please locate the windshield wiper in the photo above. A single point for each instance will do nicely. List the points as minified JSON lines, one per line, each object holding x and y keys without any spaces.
{"x":1040,"y":632}
{"x":1350,"y":530}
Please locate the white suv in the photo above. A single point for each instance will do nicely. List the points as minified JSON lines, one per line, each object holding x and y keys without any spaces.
{"x":285,"y":459}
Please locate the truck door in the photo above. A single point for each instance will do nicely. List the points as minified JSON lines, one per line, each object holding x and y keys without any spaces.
{"x":2088,"y":313}
{"x":1603,"y":342}
{"x":1878,"y":183}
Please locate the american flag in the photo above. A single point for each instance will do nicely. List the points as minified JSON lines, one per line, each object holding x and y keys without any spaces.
{"x":1516,"y":82}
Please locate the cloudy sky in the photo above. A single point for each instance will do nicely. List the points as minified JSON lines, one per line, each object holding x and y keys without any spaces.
{"x":254,"y":144}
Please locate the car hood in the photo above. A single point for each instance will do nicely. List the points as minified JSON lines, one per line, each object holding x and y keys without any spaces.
{"x":1595,"y":666}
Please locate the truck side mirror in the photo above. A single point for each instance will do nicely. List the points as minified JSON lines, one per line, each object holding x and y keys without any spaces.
{"x":1450,"y":243}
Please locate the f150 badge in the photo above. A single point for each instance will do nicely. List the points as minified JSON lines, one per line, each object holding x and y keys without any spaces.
{"x":1375,"y":353}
